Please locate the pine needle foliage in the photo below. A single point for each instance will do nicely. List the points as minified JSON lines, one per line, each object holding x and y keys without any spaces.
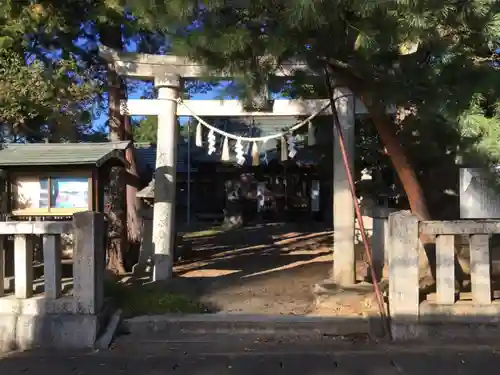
{"x":451,"y":80}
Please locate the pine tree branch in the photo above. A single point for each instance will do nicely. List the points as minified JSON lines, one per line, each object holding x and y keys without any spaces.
{"x":337,"y":64}
{"x":344,"y":74}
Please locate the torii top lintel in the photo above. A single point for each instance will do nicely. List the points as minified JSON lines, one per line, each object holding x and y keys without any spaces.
{"x":148,"y":66}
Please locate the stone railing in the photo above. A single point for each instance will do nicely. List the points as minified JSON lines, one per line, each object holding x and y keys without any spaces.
{"x":413,"y":318}
{"x":53,"y":319}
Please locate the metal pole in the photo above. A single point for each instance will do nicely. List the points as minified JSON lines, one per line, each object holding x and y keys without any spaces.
{"x":189,"y":173}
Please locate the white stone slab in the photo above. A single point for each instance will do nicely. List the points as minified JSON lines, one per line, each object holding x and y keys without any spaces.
{"x":478,"y":198}
{"x":282,"y":107}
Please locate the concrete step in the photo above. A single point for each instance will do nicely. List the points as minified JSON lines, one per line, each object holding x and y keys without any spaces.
{"x":247,"y":343}
{"x":173,"y":325}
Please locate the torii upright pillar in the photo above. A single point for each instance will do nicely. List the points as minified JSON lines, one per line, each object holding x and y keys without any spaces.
{"x":166,"y":77}
{"x":164,"y":231}
{"x":344,"y":260}
{"x":165,"y":178}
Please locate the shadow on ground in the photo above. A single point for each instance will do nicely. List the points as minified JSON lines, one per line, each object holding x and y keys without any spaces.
{"x":264,"y":269}
{"x":259,"y":269}
{"x":249,"y":355}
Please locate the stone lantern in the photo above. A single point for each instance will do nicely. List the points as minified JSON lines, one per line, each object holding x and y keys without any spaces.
{"x":146,"y":252}
{"x":146,"y":197}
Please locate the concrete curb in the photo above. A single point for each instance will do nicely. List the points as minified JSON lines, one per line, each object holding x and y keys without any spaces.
{"x":104,"y":341}
{"x":175,"y":324}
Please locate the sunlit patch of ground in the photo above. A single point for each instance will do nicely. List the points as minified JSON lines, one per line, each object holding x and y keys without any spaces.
{"x":268,"y":269}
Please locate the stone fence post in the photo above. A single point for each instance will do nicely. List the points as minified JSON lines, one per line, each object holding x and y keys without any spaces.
{"x":380,"y":238}
{"x":403,"y":275}
{"x":89,"y":262}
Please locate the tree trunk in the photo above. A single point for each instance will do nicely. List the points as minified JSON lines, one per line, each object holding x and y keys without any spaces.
{"x":117,"y":244}
{"x":134,"y":225}
{"x":416,"y":198}
{"x":387,"y":132}
{"x":133,"y":222}
{"x":115,"y":212}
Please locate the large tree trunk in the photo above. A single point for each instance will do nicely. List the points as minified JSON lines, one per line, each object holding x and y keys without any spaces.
{"x":114,"y":210}
{"x":117,"y":244}
{"x":387,"y":132}
{"x":406,"y":173}
{"x":134,"y":224}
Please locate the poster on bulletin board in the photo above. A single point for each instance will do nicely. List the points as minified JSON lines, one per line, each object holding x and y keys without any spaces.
{"x":71,"y":193}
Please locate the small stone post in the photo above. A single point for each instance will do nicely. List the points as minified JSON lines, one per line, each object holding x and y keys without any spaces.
{"x":2,"y":266}
{"x":380,"y":238}
{"x":480,"y":264}
{"x":344,"y":268}
{"x":403,"y":275}
{"x":23,"y":265}
{"x":52,"y":265}
{"x":165,"y":178}
{"x":89,"y":261}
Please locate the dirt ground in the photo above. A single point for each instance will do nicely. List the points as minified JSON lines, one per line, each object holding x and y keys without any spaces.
{"x":261,"y":269}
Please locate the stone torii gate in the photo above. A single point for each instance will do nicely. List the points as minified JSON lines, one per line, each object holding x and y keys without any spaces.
{"x":167,"y":72}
